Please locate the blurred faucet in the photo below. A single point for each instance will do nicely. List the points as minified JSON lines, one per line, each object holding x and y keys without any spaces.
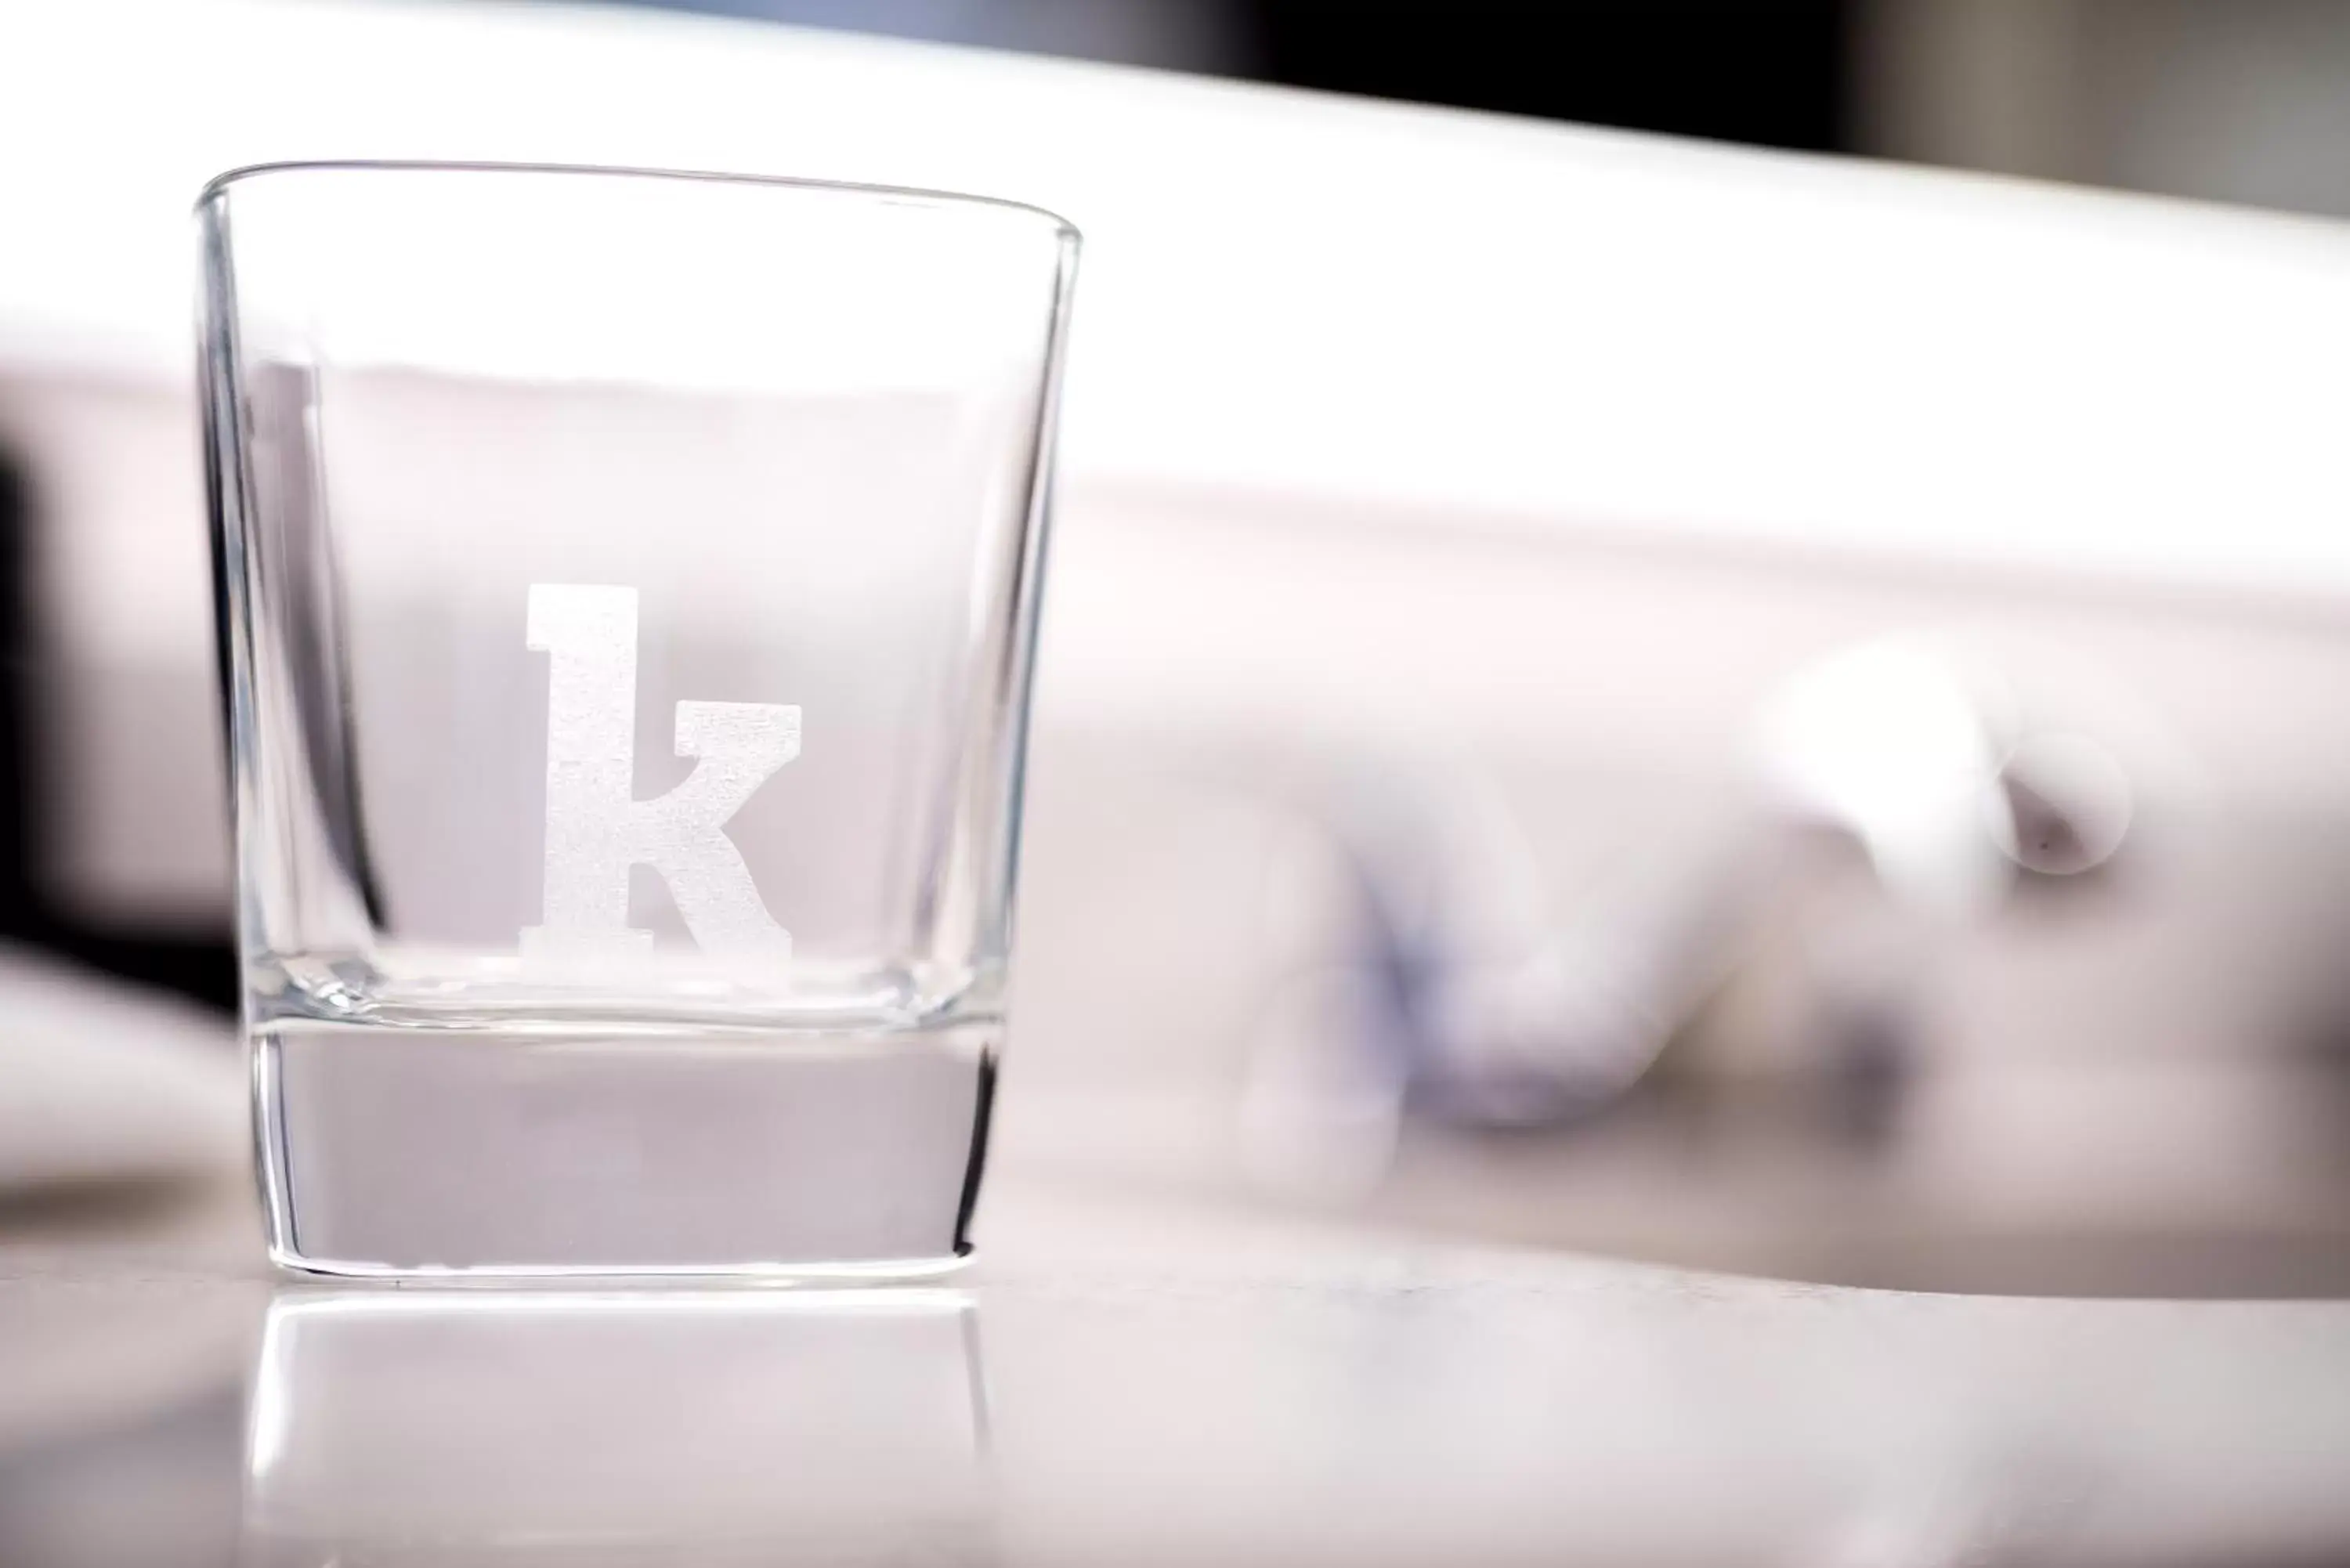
{"x":1892,"y":796}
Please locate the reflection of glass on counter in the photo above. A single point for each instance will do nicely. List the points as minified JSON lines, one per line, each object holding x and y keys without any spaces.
{"x":550,"y":1426}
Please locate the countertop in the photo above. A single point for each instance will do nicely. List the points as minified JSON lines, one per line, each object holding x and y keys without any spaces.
{"x":1119,"y":1380}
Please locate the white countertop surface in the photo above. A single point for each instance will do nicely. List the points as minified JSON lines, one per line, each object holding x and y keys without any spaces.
{"x":1119,"y":1382}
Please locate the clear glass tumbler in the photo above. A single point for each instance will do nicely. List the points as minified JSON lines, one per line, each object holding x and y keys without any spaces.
{"x":627,"y":588}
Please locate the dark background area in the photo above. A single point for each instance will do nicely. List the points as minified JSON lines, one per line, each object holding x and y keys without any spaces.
{"x":1769,"y":74}
{"x":1773,"y":73}
{"x":2243,"y":101}
{"x":199,"y":964}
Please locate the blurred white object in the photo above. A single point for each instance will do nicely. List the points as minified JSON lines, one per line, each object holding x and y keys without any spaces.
{"x":1895,"y":743}
{"x":101,"y":1085}
{"x":2068,"y":804}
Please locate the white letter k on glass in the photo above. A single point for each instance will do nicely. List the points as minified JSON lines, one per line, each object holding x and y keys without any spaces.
{"x":595,"y":828}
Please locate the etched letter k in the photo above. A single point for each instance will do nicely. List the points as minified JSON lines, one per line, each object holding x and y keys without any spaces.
{"x":595,"y":828}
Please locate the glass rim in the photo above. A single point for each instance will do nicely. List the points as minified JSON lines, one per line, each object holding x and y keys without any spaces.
{"x":222,"y":183}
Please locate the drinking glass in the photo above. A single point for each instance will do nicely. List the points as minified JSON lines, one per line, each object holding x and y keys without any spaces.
{"x":628,"y":586}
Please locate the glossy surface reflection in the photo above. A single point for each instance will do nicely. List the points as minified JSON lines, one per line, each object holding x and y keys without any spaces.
{"x":574,"y":1427}
{"x":1163,"y":1385}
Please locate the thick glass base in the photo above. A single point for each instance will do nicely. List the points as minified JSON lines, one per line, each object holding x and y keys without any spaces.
{"x":623,"y":1150}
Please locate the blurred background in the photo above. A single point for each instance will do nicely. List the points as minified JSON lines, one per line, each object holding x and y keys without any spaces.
{"x":2207,"y":99}
{"x":1712,"y":631}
